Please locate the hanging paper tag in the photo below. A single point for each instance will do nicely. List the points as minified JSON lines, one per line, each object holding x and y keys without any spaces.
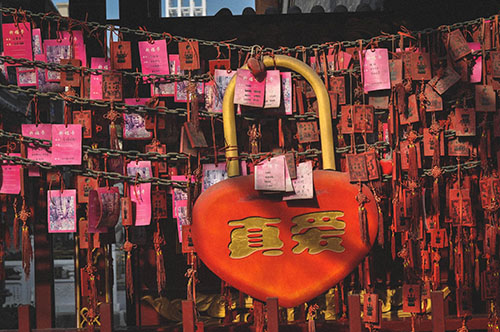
{"x":458,"y":46}
{"x":421,"y":66}
{"x":485,"y":98}
{"x":460,"y":197}
{"x":84,"y":118}
{"x":67,"y":144}
{"x":270,"y":174}
{"x":69,"y":77}
{"x":458,"y":148}
{"x":112,"y":86}
{"x":372,"y":165}
{"x":464,"y":122}
{"x":476,"y":74}
{"x":379,"y":102}
{"x":411,"y":298}
{"x":376,"y":70}
{"x":75,"y":38}
{"x":433,"y":101}
{"x":273,"y":89}
{"x":356,"y":164}
{"x":36,"y":41}
{"x":96,"y":80}
{"x":55,"y":51}
{"x":26,"y":76}
{"x":159,"y":201}
{"x":187,"y":240}
{"x":338,"y":61}
{"x":167,"y":89}
{"x":134,"y":127}
{"x":286,"y":92}
{"x":303,"y":184}
{"x":439,"y":238}
{"x":103,"y":209}
{"x":370,"y":308}
{"x":489,"y":285}
{"x":141,"y":195}
{"x":396,"y":71}
{"x":407,"y":65}
{"x":126,"y":211}
{"x":307,"y":132}
{"x":181,"y":91}
{"x":223,"y":64}
{"x":346,"y":119}
{"x":213,"y":174}
{"x":363,"y":118}
{"x":337,"y":85}
{"x":154,"y":57}
{"x":11,"y":178}
{"x":61,"y":211}
{"x":405,"y":155}
{"x":42,"y":131}
{"x":189,"y":55}
{"x":121,"y":55}
{"x":442,"y":83}
{"x":333,"y":103}
{"x":158,"y":148}
{"x":142,"y":168}
{"x":429,"y":143}
{"x":248,"y":91}
{"x":83,"y":231}
{"x":84,"y":185}
{"x":410,"y":113}
{"x":195,"y":135}
{"x":290,"y":164}
{"x":495,"y":64}
{"x":17,"y":40}
{"x":221,"y":79}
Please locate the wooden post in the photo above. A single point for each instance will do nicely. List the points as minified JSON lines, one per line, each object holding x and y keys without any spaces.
{"x":106,"y":317}
{"x":272,"y":314}
{"x":188,"y":316}
{"x":354,"y":313}
{"x":23,"y":318}
{"x":438,"y":319}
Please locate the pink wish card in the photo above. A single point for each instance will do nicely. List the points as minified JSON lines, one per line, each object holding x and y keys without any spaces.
{"x":96,"y":80}
{"x":41,"y":131}
{"x":303,"y":184}
{"x":55,"y":51}
{"x":140,"y":194}
{"x":269,"y":175}
{"x":11,"y":177}
{"x":61,"y":211}
{"x":75,"y":39}
{"x":17,"y":40}
{"x":248,"y":91}
{"x":67,"y":144}
{"x":338,"y":61}
{"x":181,"y":216}
{"x":286,"y":91}
{"x":143,"y":168}
{"x":167,"y":89}
{"x":36,"y":40}
{"x":181,"y":91}
{"x":221,"y":80}
{"x":179,"y":195}
{"x":213,"y":174}
{"x":154,"y":57}
{"x":475,"y":76}
{"x":376,"y":70}
{"x":26,"y":76}
{"x":273,"y":89}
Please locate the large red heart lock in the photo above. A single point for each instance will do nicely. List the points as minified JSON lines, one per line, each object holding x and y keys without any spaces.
{"x":292,"y":250}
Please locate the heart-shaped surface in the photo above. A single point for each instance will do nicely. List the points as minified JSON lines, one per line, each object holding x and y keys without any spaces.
{"x":292,"y":250}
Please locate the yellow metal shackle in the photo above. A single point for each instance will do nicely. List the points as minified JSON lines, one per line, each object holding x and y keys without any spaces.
{"x":325,"y":123}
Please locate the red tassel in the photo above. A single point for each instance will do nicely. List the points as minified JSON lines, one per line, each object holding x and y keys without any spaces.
{"x":362,"y":217}
{"x":15,"y":232}
{"x":27,"y":250}
{"x":129,"y":281}
{"x":161,"y":277}
{"x":380,"y":228}
{"x":393,"y":246}
{"x":258,"y":315}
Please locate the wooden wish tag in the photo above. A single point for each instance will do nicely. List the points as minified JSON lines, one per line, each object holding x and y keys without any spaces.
{"x":421,"y":66}
{"x":405,"y":155}
{"x":159,"y":201}
{"x":460,"y":208}
{"x":489,"y":285}
{"x":363,"y":118}
{"x":224,"y":64}
{"x":83,"y":227}
{"x":485,"y":98}
{"x":84,"y":185}
{"x":372,"y":165}
{"x":307,"y":131}
{"x":370,"y":308}
{"x":70,"y":77}
{"x":458,"y":47}
{"x":463,"y":121}
{"x":433,"y":101}
{"x":337,"y":85}
{"x":84,"y":118}
{"x":439,"y":238}
{"x":189,"y":55}
{"x":195,"y":136}
{"x":112,"y":86}
{"x":495,"y":64}
{"x":411,"y":298}
{"x":158,"y":148}
{"x":430,"y":142}
{"x":396,"y":71}
{"x":441,"y":83}
{"x":187,"y":240}
{"x":464,"y":301}
{"x":459,"y":148}
{"x":121,"y":55}
{"x":333,"y":103}
{"x":356,"y":165}
{"x":410,"y":113}
{"x":490,"y":239}
{"x":346,"y":119}
{"x":127,"y":213}
{"x":185,"y":146}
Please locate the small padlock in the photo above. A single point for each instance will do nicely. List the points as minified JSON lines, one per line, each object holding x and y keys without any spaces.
{"x":257,"y":68}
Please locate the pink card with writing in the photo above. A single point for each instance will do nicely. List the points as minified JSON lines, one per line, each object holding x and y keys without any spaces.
{"x":67,"y":144}
{"x":376,"y":70}
{"x":167,"y":89}
{"x":142,"y":167}
{"x":181,"y":216}
{"x":141,"y":195}
{"x":181,"y":91}
{"x":96,"y":80}
{"x":42,"y":131}
{"x":154,"y":57}
{"x":303,"y":184}
{"x":55,"y":51}
{"x":61,"y":211}
{"x":75,"y":38}
{"x":475,"y":76}
{"x":273,"y":89}
{"x":213,"y":174}
{"x":215,"y":96}
{"x":17,"y":40}
{"x":286,"y":91}
{"x":179,"y":195}
{"x":11,"y":178}
{"x":248,"y":91}
{"x":270,"y":174}
{"x":36,"y":40}
{"x":26,"y":76}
